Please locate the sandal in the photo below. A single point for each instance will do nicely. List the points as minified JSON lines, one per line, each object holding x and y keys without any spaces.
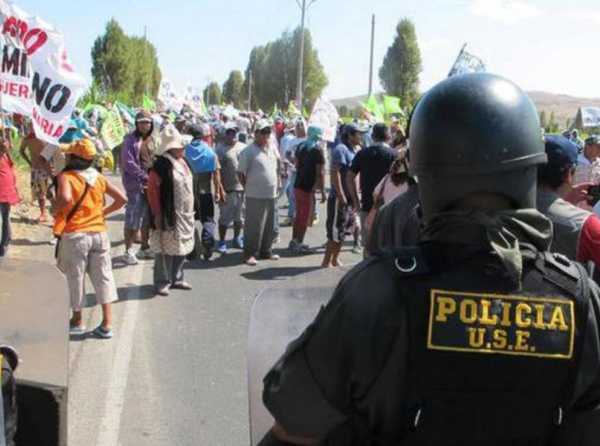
{"x":102,"y":332}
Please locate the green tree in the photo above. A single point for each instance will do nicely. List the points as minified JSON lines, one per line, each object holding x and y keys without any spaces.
{"x":552,"y":124}
{"x":233,"y":89}
{"x":274,"y":72}
{"x":124,"y":67}
{"x":401,"y":67}
{"x":212,"y":94}
{"x":543,"y":120}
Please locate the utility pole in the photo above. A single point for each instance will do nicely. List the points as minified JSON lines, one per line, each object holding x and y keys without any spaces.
{"x":249,"y":90}
{"x":371,"y":61}
{"x":300,"y":86}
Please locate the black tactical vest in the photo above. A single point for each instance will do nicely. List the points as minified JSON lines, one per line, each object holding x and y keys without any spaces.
{"x":490,"y":364}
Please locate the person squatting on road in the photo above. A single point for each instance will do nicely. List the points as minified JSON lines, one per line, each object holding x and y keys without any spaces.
{"x":171,"y":198}
{"x":232,"y":208}
{"x":310,"y":177}
{"x":80,"y":224}
{"x":207,"y":178}
{"x":476,"y":336}
{"x":258,"y":171}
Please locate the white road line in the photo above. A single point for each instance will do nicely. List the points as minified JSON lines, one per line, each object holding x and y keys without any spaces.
{"x":110,"y":426}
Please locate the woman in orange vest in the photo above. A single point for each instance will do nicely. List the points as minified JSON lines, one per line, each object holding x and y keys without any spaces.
{"x":80,"y":223}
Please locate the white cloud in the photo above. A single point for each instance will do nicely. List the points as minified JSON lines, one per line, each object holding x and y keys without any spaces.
{"x":507,"y":11}
{"x":584,"y":15}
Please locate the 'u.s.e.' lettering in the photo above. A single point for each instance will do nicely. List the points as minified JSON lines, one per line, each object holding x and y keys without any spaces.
{"x":506,"y":324}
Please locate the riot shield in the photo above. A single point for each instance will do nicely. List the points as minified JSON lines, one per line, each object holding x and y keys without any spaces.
{"x":35,"y":310}
{"x":279,"y":315}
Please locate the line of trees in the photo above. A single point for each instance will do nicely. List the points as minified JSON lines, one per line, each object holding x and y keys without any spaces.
{"x":124,"y":68}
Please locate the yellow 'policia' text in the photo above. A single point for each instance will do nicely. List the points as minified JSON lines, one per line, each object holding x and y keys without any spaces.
{"x":490,"y":323}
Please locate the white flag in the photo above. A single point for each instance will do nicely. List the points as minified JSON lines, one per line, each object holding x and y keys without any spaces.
{"x":325,"y":116}
{"x":36,"y":78}
{"x":467,"y":63}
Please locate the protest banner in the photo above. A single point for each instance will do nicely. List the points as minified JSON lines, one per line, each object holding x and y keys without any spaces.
{"x":374,"y":108}
{"x":36,"y":78}
{"x":325,"y":116}
{"x":113,"y":130}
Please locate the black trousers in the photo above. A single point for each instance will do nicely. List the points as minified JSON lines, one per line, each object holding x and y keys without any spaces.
{"x":5,"y":232}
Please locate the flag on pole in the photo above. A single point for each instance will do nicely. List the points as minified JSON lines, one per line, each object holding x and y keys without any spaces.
{"x":466,"y":63}
{"x":293,"y":110}
{"x":391,"y":106}
{"x":148,"y":104}
{"x":375,"y":108}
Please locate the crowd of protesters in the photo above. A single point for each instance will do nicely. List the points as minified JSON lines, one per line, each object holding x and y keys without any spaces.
{"x":177,"y":169}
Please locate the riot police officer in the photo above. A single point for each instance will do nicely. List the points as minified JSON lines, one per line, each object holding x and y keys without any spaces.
{"x":476,"y":336}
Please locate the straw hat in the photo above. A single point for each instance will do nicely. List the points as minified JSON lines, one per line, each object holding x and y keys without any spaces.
{"x":170,"y":138}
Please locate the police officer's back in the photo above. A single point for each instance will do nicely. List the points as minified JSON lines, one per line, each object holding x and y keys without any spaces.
{"x":477,"y":336}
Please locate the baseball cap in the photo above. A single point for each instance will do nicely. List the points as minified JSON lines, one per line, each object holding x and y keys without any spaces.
{"x":593,"y":140}
{"x":230,"y":125}
{"x":263,"y":124}
{"x":143,"y":116}
{"x":199,"y":130}
{"x":82,"y":148}
{"x":561,"y":152}
{"x":353,"y":127}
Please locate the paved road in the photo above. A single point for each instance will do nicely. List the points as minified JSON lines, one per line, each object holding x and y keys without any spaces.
{"x":175,"y":373}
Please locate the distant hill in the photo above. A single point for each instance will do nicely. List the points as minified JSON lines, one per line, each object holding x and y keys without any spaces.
{"x":564,"y":107}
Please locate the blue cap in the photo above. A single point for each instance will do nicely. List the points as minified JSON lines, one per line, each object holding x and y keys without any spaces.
{"x":561,"y":151}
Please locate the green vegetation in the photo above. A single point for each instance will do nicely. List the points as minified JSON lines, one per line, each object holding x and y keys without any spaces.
{"x":233,"y":89}
{"x":212,"y":94}
{"x":274,"y":69}
{"x":124,"y":68}
{"x":401,"y":67}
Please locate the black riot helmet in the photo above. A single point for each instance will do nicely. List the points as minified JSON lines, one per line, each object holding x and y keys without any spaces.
{"x":475,"y":133}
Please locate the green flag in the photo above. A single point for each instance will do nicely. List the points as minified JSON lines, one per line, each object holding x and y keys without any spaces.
{"x":148,"y":104}
{"x":305,"y":113}
{"x":293,"y":110}
{"x":391,"y":105}
{"x":375,"y":108}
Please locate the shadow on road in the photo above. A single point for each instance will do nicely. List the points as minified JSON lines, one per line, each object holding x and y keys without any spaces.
{"x":125,"y":293}
{"x":26,"y":242}
{"x":280,"y":273}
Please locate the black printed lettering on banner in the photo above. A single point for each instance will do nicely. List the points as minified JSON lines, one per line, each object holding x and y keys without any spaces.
{"x":14,"y":61}
{"x":53,"y":97}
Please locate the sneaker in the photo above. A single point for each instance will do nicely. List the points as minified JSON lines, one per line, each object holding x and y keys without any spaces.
{"x":102,"y":332}
{"x":77,"y":330}
{"x":357,"y":250}
{"x":181,"y":286}
{"x":145,"y":254}
{"x":162,"y":290}
{"x":315,"y":221}
{"x":277,"y":240}
{"x":293,"y":246}
{"x":238,"y":242}
{"x":222,"y":247}
{"x":251,"y":261}
{"x":130,"y":259}
{"x":273,"y":257}
{"x":287,"y":222}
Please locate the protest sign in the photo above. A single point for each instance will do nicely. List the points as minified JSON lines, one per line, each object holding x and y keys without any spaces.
{"x":36,"y":78}
{"x":113,"y":130}
{"x":325,"y":116}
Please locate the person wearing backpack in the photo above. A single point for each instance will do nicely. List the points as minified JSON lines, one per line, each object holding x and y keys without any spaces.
{"x":80,"y":226}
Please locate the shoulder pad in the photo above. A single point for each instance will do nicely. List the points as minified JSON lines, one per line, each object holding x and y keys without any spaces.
{"x":408,"y":262}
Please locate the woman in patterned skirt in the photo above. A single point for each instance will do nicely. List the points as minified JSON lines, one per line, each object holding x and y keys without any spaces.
{"x":171,"y":197}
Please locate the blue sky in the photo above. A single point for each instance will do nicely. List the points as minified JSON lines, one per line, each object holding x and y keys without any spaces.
{"x":540,"y":44}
